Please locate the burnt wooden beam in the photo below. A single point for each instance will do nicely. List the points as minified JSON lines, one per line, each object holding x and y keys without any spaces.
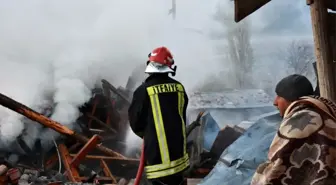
{"x":107,"y":170}
{"x":45,"y":121}
{"x":91,"y":144}
{"x":244,"y":8}
{"x":71,"y":172}
{"x":115,"y":90}
{"x":101,"y":123}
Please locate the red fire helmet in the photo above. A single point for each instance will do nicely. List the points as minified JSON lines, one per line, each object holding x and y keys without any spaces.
{"x":160,"y":61}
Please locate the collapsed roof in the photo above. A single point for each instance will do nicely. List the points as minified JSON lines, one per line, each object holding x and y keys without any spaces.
{"x":239,"y":161}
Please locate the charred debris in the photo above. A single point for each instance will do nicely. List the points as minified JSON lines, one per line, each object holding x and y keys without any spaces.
{"x":96,"y":153}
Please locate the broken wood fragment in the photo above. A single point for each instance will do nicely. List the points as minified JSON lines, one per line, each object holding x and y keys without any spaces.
{"x":115,"y":90}
{"x":107,"y":171}
{"x":71,"y":172}
{"x":35,"y":116}
{"x":91,"y":144}
{"x":100,"y":123}
{"x":52,"y":161}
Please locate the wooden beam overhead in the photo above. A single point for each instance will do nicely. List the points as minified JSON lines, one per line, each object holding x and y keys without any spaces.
{"x":244,"y":8}
{"x":331,"y":4}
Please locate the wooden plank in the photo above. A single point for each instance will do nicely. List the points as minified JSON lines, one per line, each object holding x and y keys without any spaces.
{"x":107,"y":171}
{"x":331,"y":4}
{"x":71,"y":172}
{"x":90,"y":145}
{"x":52,"y":161}
{"x":101,"y":123}
{"x":325,"y":65}
{"x":244,"y":8}
{"x":58,"y":127}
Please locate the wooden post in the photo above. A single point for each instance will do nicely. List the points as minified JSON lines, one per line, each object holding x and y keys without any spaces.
{"x":332,"y":33}
{"x":325,"y":64}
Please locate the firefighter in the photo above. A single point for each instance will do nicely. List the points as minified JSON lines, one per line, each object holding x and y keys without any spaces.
{"x":157,"y":114}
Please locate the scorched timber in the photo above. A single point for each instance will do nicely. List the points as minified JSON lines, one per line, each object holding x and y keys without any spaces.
{"x":113,"y":89}
{"x":35,"y":116}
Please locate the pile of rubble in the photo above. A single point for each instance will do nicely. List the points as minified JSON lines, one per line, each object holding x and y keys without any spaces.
{"x":93,"y":155}
{"x":27,"y":176}
{"x":96,"y":153}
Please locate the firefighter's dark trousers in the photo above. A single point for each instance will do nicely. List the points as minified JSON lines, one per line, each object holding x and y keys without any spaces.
{"x":176,"y":179}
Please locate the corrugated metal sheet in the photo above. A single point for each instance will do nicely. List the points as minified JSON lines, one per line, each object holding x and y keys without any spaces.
{"x":210,"y":130}
{"x":245,"y":154}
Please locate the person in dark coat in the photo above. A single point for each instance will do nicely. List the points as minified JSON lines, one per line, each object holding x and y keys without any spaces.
{"x":158,"y":115}
{"x":303,"y":152}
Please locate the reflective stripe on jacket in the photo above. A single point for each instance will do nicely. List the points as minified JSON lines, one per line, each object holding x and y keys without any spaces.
{"x":157,"y":113}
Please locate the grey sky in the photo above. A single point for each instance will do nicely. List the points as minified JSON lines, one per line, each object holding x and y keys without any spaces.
{"x":124,"y":31}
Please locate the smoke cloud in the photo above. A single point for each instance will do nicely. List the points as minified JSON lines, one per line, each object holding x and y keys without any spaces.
{"x":54,"y":52}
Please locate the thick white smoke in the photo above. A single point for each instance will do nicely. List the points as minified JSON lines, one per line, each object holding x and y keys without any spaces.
{"x":53,"y":52}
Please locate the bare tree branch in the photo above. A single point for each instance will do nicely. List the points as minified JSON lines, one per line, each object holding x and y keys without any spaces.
{"x":237,"y":53}
{"x":299,"y":56}
{"x":239,"y":46}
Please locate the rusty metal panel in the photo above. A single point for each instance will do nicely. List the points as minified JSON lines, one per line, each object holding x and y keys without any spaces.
{"x":244,"y":8}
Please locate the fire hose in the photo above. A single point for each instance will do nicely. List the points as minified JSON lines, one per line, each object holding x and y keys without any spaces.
{"x":141,"y":166}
